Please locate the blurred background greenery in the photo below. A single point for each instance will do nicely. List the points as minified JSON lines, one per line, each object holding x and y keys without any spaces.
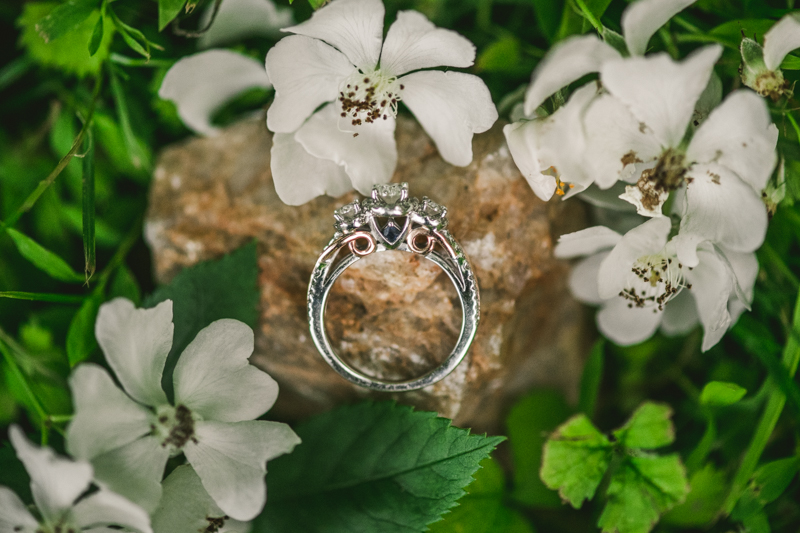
{"x":47,"y":91}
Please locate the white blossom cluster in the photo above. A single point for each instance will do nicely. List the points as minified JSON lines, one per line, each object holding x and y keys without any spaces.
{"x":656,"y":131}
{"x":122,"y":437}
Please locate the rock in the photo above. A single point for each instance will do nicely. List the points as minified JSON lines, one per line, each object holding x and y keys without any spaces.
{"x":392,"y":314}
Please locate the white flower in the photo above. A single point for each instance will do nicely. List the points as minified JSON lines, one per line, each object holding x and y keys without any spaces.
{"x":337,"y":61}
{"x":641,"y":285}
{"x":201,"y":83}
{"x":186,"y":507}
{"x":638,"y":133}
{"x":242,"y":19}
{"x":60,"y":489}
{"x":550,"y":150}
{"x":761,"y":66}
{"x":128,"y":436}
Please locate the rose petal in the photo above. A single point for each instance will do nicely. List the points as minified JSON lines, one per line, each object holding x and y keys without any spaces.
{"x":136,"y":343}
{"x":355,"y":27}
{"x":201,"y":83}
{"x":451,"y":107}
{"x":414,"y":43}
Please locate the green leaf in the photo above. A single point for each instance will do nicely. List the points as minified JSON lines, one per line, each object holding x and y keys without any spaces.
{"x":168,"y":10}
{"x":730,"y":33}
{"x":70,"y":52}
{"x":649,"y":427}
{"x":97,"y":36}
{"x":87,"y":196}
{"x":529,"y":423}
{"x":575,"y":459}
{"x":41,"y":297}
{"x":208,"y":291}
{"x":615,"y":40}
{"x":132,"y":37}
{"x":709,"y":487}
{"x":125,"y":286}
{"x":139,"y":158}
{"x":772,"y":479}
{"x":81,"y":342}
{"x":548,"y":16}
{"x":371,"y":467}
{"x":721,"y":393}
{"x":44,"y":259}
{"x":591,"y":378}
{"x":316,"y":4}
{"x":65,"y":18}
{"x":790,"y":62}
{"x":504,"y":55}
{"x":482,"y":509}
{"x":642,"y":488}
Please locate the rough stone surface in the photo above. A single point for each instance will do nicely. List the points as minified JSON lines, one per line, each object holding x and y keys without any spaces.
{"x":392,"y":314}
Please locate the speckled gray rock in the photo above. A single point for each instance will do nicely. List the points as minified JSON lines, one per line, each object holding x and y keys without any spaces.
{"x":392,"y":314}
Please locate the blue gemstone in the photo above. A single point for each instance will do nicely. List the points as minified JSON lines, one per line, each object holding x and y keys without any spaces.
{"x":391,"y":232}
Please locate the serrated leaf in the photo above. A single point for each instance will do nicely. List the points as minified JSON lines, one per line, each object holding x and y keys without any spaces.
{"x":641,"y":489}
{"x":208,"y":291}
{"x":97,"y":37}
{"x":167,"y":11}
{"x":708,"y":489}
{"x":43,"y":259}
{"x":575,"y":459}
{"x":371,"y":467}
{"x":529,"y":422}
{"x":70,"y":53}
{"x":65,"y":18}
{"x":721,"y":393}
{"x":649,"y":427}
{"x":482,"y":509}
{"x":81,"y":342}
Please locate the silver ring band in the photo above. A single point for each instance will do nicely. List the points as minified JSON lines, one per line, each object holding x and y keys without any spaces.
{"x":412,"y":226}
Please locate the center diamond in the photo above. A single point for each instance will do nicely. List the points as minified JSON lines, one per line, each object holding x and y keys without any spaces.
{"x":390,"y":193}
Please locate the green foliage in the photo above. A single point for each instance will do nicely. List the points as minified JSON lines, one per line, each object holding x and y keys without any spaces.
{"x":641,"y":486}
{"x":707,"y":490}
{"x":720,"y":393}
{"x":65,"y":18}
{"x":371,"y":467}
{"x":168,"y":10}
{"x":206,"y":292}
{"x":591,"y":379}
{"x":43,"y":259}
{"x":482,"y":509}
{"x":81,"y":342}
{"x":65,"y":49}
{"x":529,"y":423}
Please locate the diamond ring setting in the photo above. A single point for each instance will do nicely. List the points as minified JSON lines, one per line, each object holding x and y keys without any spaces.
{"x":392,"y":221}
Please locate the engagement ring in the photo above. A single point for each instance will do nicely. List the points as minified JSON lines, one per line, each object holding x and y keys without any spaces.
{"x":391,"y":221}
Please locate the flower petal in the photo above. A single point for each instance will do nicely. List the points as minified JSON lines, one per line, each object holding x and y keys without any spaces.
{"x":241,"y":19}
{"x":721,"y":208}
{"x":214,"y":369}
{"x":586,"y":242}
{"x":634,"y":196}
{"x":136,"y":343}
{"x":355,"y":27}
{"x":739,"y":135}
{"x":566,"y":62}
{"x":660,"y":92}
{"x":680,"y":315}
{"x":451,"y":107}
{"x":134,"y":471}
{"x":617,"y":143}
{"x":643,"y":18}
{"x":583,"y":279}
{"x":745,"y":268}
{"x":413,"y":43}
{"x":230,"y":460}
{"x":56,"y":482}
{"x":299,"y":176}
{"x":104,"y":508}
{"x":186,"y":507}
{"x":368,"y":156}
{"x":305,"y":73}
{"x":645,"y":239}
{"x":201,"y":83}
{"x":782,"y":38}
{"x":14,"y":515}
{"x":711,"y":287}
{"x":522,"y":139}
{"x":105,"y":417}
{"x":625,"y":325}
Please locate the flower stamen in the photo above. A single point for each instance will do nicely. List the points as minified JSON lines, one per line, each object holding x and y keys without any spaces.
{"x":654,"y":280}
{"x":368,"y":97}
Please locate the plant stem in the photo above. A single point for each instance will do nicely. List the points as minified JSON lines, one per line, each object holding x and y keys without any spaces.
{"x":769,"y":419}
{"x":51,"y":178}
{"x":43,"y":297}
{"x":590,"y":16}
